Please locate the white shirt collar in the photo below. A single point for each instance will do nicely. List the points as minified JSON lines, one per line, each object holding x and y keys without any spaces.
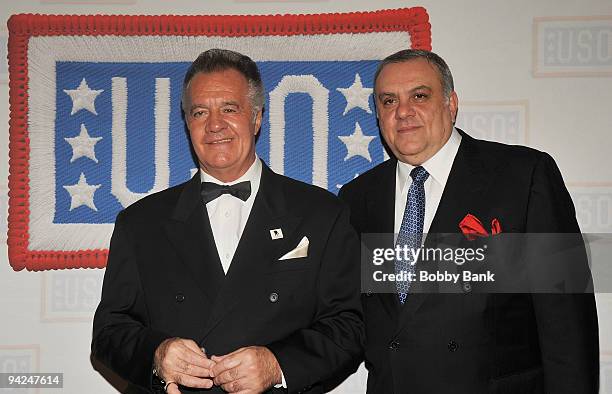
{"x":252,"y":175}
{"x":438,"y":166}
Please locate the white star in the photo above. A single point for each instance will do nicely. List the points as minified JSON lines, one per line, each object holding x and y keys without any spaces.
{"x":357,"y":144}
{"x":83,"y":145}
{"x":356,"y":96}
{"x":83,"y":98}
{"x":82,"y":193}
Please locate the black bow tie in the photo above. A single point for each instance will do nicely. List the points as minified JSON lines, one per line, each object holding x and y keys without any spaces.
{"x":210,"y":190}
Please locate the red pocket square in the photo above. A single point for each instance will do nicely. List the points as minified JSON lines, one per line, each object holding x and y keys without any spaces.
{"x":472,"y":227}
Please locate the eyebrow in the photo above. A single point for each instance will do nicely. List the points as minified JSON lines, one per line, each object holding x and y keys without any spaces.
{"x":420,"y":87}
{"x":194,"y":106}
{"x":229,"y":102}
{"x":385,"y":94}
{"x":417,"y":88}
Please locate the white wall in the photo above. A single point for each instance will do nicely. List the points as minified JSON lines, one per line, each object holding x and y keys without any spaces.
{"x":489,"y":45}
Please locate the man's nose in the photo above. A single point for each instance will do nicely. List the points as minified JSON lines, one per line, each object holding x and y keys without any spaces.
{"x":405,"y":109}
{"x":216,"y":122}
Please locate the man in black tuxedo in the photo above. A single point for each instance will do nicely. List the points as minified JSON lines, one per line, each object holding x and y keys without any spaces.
{"x":240,"y":279}
{"x":467,"y":342}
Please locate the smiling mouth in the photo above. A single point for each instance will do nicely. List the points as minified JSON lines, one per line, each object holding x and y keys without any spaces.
{"x":223,"y":141}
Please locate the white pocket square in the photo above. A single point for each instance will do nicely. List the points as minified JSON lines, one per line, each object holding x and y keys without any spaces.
{"x":300,"y":251}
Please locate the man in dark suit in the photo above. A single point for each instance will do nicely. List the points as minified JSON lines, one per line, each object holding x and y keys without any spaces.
{"x":466,"y":342}
{"x":240,"y":279}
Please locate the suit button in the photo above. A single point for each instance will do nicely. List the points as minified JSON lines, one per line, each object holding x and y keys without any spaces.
{"x":394,"y":345}
{"x":467,"y":287}
{"x":368,"y":293}
{"x":453,"y":346}
{"x":273,"y":297}
{"x":179,"y":297}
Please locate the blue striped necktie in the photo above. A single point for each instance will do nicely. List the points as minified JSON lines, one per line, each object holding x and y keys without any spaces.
{"x":411,"y":229}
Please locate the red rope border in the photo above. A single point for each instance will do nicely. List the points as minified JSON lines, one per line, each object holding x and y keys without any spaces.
{"x":414,"y":21}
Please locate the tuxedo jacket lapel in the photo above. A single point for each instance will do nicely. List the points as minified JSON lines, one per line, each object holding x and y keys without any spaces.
{"x":256,"y":247}
{"x":190,"y":233}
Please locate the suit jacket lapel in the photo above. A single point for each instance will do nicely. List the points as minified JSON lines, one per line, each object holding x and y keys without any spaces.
{"x":467,"y":182}
{"x":256,"y":247}
{"x":190,"y":233}
{"x":465,"y":187}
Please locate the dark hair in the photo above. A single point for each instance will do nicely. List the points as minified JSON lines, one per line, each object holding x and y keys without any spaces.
{"x":214,"y":60}
{"x":406,"y":55}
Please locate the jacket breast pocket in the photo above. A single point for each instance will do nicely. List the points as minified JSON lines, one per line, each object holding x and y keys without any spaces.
{"x":294,"y":264}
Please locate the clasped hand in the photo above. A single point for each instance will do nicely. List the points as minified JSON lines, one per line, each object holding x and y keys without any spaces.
{"x":252,"y":369}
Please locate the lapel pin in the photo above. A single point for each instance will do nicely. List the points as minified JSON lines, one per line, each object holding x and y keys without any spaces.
{"x":277,"y":233}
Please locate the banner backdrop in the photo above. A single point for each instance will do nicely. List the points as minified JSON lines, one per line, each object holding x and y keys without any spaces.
{"x":96,"y":122}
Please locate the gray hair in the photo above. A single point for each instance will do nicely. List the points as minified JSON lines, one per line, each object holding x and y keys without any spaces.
{"x":406,"y":55}
{"x":214,"y":60}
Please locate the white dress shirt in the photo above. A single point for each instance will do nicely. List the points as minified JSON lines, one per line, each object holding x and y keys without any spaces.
{"x":438,"y":166}
{"x":228,"y":215}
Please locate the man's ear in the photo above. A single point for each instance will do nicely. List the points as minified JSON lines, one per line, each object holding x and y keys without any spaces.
{"x":453,"y":104}
{"x":258,"y":118}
